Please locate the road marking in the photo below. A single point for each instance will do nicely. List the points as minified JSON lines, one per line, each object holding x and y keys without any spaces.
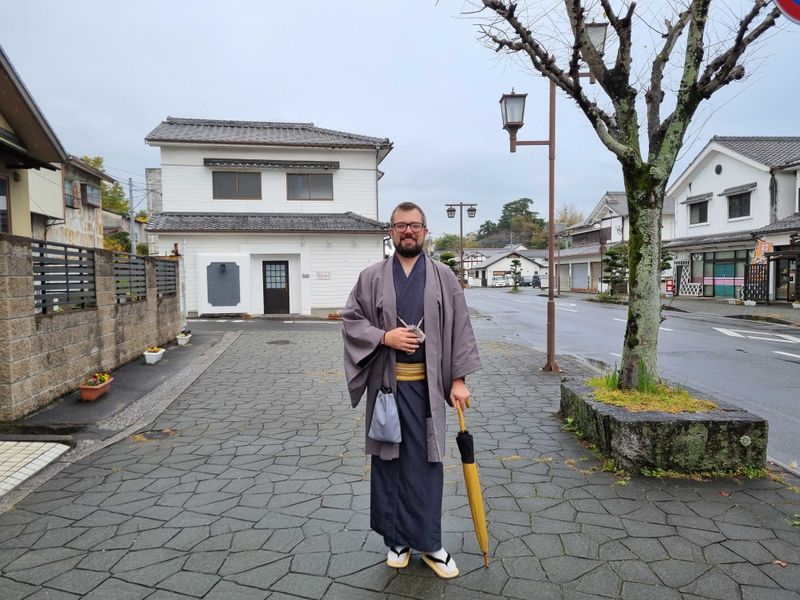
{"x":621,"y":320}
{"x":312,"y":322}
{"x":666,"y":329}
{"x":759,"y":335}
{"x":521,"y":301}
{"x":615,"y":354}
{"x":786,"y":353}
{"x":567,"y":309}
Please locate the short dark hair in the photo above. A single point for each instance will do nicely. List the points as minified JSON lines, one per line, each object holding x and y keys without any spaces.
{"x":408,"y":206}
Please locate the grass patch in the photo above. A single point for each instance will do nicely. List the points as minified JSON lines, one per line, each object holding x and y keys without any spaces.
{"x":651,"y":395}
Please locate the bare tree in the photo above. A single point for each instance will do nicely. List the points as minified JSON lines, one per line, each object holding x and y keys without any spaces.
{"x":704,"y":63}
{"x":569,"y":215}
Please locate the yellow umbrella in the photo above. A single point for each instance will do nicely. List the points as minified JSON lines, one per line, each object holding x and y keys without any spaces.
{"x":467,"y":449}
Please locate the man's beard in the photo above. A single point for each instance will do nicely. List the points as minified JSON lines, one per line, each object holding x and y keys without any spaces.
{"x":407,"y":252}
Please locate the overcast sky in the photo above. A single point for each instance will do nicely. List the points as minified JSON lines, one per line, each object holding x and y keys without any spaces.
{"x":106,"y":72}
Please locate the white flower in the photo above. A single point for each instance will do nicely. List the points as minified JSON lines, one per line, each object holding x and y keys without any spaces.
{"x":745,"y":440}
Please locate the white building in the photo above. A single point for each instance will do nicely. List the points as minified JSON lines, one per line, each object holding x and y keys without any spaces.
{"x":271,"y":218}
{"x":500,"y":264}
{"x":580,"y":265}
{"x":734,"y":193}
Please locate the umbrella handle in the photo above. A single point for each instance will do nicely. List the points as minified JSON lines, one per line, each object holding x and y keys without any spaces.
{"x":462,"y":426}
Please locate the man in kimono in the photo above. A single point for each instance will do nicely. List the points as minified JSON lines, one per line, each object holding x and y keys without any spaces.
{"x":406,"y":325}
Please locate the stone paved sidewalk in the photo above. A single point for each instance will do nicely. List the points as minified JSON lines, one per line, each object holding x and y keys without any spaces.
{"x":254,"y":485}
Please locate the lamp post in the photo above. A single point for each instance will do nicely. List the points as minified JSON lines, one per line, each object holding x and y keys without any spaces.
{"x":512,"y":108}
{"x":451,"y":213}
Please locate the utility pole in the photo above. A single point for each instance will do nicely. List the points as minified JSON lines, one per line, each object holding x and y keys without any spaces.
{"x":133,"y":221}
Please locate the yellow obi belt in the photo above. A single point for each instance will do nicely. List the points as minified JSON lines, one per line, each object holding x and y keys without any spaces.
{"x":410,"y":371}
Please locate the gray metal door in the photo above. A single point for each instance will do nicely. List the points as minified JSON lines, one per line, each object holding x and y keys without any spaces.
{"x":276,"y":287}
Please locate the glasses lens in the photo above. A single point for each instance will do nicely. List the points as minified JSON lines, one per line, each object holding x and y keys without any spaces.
{"x":401,"y":227}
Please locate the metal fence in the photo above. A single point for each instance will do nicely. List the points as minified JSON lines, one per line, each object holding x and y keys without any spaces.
{"x":130,"y":278}
{"x":166,"y":277}
{"x":63,"y":275}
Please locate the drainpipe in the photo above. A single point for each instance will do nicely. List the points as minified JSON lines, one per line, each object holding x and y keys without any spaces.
{"x":773,"y":197}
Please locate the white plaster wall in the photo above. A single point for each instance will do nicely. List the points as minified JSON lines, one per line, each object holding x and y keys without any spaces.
{"x":527,"y":268}
{"x":321,"y":274}
{"x":704,"y":180}
{"x":187,"y":183}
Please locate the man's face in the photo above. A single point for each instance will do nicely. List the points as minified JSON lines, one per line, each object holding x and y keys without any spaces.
{"x":407,"y":242}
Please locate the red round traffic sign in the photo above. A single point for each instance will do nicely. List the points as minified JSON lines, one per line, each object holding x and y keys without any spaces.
{"x":790,"y":9}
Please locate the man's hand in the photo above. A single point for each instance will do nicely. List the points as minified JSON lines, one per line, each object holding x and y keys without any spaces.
{"x":459,"y":393}
{"x":401,"y":339}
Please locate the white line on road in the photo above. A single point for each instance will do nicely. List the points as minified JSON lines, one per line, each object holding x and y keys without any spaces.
{"x":620,"y":320}
{"x":615,"y":354}
{"x":666,"y":329}
{"x":786,"y":353}
{"x":313,"y":322}
{"x":567,"y":309}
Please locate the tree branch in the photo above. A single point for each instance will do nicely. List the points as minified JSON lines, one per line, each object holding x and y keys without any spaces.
{"x":725,"y":68}
{"x":655,"y":95}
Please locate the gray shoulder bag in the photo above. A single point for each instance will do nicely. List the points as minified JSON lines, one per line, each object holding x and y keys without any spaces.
{"x":385,"y":424}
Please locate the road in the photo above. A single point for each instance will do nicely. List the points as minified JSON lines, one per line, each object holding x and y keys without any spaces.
{"x":752,"y":365}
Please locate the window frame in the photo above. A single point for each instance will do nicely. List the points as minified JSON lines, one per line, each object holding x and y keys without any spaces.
{"x":237,"y":195}
{"x":698,"y":205}
{"x":85,"y":187}
{"x":739,"y":198}
{"x":308,"y":187}
{"x":8,"y":205}
{"x":70,"y":201}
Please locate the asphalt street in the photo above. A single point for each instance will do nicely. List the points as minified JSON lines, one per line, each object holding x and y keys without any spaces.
{"x":752,"y":365}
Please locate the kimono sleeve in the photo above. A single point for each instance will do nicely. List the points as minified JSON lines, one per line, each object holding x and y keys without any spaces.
{"x":362,"y":337}
{"x":465,"y":358}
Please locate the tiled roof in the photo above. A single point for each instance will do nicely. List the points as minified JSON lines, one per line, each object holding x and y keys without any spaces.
{"x":208,"y":131}
{"x":257,"y":163}
{"x":790,"y":223}
{"x":265,"y":223}
{"x":768,"y":150}
{"x":618,"y":202}
{"x":698,"y":198}
{"x":738,"y":189}
{"x":705,"y":240}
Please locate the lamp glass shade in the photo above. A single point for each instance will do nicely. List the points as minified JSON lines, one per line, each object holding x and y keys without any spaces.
{"x":512,"y":107}
{"x":471,"y":211}
{"x":451,"y":212}
{"x":597,"y":35}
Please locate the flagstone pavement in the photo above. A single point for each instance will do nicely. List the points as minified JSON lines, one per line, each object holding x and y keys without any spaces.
{"x":254,"y":485}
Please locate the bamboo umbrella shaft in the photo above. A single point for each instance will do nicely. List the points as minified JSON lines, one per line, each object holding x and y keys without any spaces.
{"x":462,"y":426}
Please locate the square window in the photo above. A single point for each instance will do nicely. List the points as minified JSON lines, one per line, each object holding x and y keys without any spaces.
{"x":739,"y":205}
{"x":234,"y":185}
{"x":312,"y":186}
{"x":698,"y":213}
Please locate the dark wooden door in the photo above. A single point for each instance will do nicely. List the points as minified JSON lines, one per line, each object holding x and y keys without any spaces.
{"x":276,"y":287}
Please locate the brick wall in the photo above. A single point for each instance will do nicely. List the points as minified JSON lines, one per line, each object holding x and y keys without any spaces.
{"x":43,"y":356}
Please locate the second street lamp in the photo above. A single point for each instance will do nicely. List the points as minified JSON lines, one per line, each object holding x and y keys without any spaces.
{"x":451,"y":213}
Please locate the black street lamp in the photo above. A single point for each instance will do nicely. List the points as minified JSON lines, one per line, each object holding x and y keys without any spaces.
{"x":451,"y":213}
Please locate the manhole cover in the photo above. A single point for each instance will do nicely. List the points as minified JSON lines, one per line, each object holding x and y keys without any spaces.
{"x":280,"y":342}
{"x":156,"y":434}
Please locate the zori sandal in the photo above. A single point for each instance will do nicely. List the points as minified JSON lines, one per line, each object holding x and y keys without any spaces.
{"x":445,"y":568}
{"x":398,"y":557}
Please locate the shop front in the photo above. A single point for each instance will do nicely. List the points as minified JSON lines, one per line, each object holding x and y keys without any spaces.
{"x":720,"y":273}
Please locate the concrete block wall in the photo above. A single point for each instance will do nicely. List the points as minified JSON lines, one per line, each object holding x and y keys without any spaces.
{"x":43,"y":356}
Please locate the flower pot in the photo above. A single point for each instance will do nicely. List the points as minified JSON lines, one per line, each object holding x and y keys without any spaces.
{"x":153,"y":357}
{"x":184,"y":339}
{"x":90,"y":393}
{"x":795,"y":304}
{"x":749,"y":302}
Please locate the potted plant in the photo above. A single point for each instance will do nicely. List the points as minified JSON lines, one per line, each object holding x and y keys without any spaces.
{"x":796,"y":304}
{"x":184,"y":337}
{"x":153,"y":354}
{"x":95,"y":386}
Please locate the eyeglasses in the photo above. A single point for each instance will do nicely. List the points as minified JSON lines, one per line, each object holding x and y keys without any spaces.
{"x":416,"y":227}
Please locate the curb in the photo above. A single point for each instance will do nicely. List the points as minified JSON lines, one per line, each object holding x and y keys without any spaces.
{"x":132,"y":418}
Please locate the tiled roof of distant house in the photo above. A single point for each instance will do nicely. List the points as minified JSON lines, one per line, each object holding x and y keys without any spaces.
{"x":790,"y":223}
{"x":703,"y":240}
{"x":261,"y":133}
{"x":264,"y":223}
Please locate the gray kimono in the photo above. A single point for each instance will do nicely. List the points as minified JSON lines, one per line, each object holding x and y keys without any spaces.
{"x":450,"y":347}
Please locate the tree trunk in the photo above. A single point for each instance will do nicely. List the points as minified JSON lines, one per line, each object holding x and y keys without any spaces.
{"x":645,"y":202}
